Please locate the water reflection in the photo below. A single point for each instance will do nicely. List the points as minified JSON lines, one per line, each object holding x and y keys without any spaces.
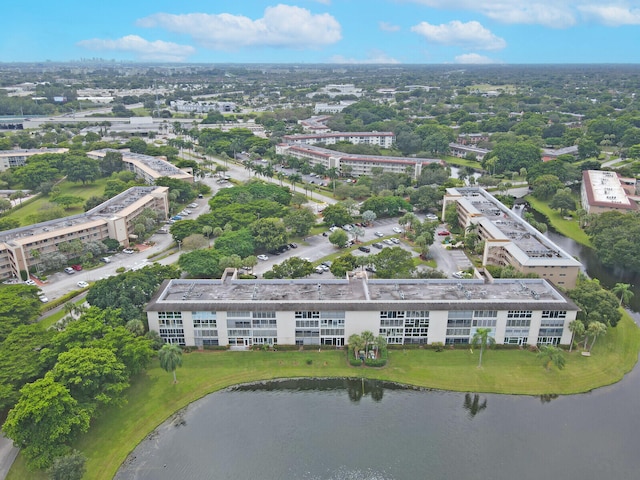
{"x":473,"y":405}
{"x":548,"y":397}
{"x":356,"y":388}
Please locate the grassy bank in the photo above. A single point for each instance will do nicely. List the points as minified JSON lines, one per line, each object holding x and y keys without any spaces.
{"x":568,"y":228}
{"x":153,"y":397}
{"x":24,"y":213}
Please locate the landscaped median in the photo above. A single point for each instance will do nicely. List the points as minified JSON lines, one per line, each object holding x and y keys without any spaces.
{"x":154,"y":397}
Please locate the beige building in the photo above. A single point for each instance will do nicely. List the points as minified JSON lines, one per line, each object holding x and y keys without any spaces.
{"x":23,"y":248}
{"x":353,"y":164}
{"x":509,"y":240}
{"x":381,"y":139}
{"x":607,"y":191}
{"x":146,"y":167}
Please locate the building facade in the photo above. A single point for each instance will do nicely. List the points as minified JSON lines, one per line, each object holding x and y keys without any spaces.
{"x":510,"y":240}
{"x":24,"y":248}
{"x":17,"y":158}
{"x":243,"y":313}
{"x":381,"y":139}
{"x":607,"y":191}
{"x":145,"y":167}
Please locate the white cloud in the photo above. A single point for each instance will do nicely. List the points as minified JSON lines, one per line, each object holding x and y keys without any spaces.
{"x":469,"y":35}
{"x":374,"y":57}
{"x":388,"y":27}
{"x":143,"y":49}
{"x":611,"y":15}
{"x":474,"y":58}
{"x":281,"y":26}
{"x":551,"y":13}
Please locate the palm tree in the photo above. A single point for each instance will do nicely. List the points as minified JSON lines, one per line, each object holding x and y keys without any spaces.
{"x":624,"y":290}
{"x":170,"y":357}
{"x":595,"y":330}
{"x":367,"y":338}
{"x":295,"y":178}
{"x":207,"y":230}
{"x":483,"y":338}
{"x":135,"y":326}
{"x":551,"y":355}
{"x":355,"y":341}
{"x":577,"y":328}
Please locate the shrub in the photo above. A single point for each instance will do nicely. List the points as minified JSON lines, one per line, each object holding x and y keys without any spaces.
{"x":438,"y":346}
{"x":309,"y":361}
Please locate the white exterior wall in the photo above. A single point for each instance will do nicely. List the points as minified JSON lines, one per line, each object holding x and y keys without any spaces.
{"x":286,"y":328}
{"x":438,"y":326}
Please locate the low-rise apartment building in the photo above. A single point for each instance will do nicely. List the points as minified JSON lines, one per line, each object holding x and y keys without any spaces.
{"x":510,"y":240}
{"x":17,"y":158}
{"x":381,"y":139}
{"x":242,"y":313}
{"x":459,"y":150}
{"x":23,"y":248}
{"x":146,"y":167}
{"x":354,"y":164}
{"x":607,"y":191}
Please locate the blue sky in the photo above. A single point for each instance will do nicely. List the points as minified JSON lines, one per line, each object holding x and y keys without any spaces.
{"x":324,"y":31}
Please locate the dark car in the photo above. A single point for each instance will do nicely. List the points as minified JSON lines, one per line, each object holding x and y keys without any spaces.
{"x":378,"y":245}
{"x":364,"y":249}
{"x":293,"y":245}
{"x":325,"y":234}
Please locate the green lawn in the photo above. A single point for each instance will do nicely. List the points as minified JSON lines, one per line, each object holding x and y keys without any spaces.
{"x":22,"y":213}
{"x":153,"y":397}
{"x":568,"y":228}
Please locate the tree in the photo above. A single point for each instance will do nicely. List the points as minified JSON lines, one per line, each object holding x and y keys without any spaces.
{"x":577,"y":329}
{"x":624,"y":290}
{"x":339,"y":238}
{"x":201,"y":263}
{"x":355,"y":342}
{"x":545,"y":186}
{"x":81,"y":169}
{"x":394,"y":263}
{"x":45,"y":418}
{"x":294,"y":267}
{"x":551,"y":356}
{"x":336,"y":215}
{"x":595,"y":330}
{"x":300,"y":221}
{"x":369,"y":217}
{"x":268,"y":233}
{"x":94,"y":376}
{"x":68,"y":467}
{"x":563,"y":201}
{"x":483,"y":338}
{"x":367,"y":339}
{"x":595,"y":302}
{"x":170,"y":357}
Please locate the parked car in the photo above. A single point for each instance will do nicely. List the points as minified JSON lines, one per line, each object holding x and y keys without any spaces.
{"x":387,"y":241}
{"x":395,"y":240}
{"x":397,"y":229}
{"x":42,"y":297}
{"x":176,"y":218}
{"x":377,"y":245}
{"x":106,"y":259}
{"x":77,"y":268}
{"x":319,"y":269}
{"x":193,"y":205}
{"x":69,"y":270}
{"x":325,"y":234}
{"x":128,"y":251}
{"x":364,"y":249}
{"x":327,"y":263}
{"x":28,"y":281}
{"x":262,"y":257}
{"x":83,"y":284}
{"x":293,"y":245}
{"x":431,"y":217}
{"x":444,"y":233}
{"x":379,"y":234}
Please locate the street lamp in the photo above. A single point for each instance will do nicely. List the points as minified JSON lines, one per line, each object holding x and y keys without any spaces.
{"x":179,"y":245}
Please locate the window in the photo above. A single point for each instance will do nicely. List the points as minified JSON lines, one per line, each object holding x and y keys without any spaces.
{"x":519,"y":314}
{"x":554,"y":314}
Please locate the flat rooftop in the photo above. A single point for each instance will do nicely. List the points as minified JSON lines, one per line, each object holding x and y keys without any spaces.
{"x":605,"y":189}
{"x":527,"y":244}
{"x":356,"y":293}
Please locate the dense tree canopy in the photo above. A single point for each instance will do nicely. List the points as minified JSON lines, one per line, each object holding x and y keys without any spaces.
{"x":615,"y":237}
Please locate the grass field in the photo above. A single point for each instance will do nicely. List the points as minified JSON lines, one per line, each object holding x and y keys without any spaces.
{"x":23,"y":212}
{"x":568,"y":228}
{"x":153,"y":397}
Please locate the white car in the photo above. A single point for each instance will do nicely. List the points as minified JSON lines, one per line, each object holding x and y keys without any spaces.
{"x":395,"y":240}
{"x":379,"y":234}
{"x":459,"y":274}
{"x":262,"y":257}
{"x":43,"y":298}
{"x":83,"y":284}
{"x":397,"y":229}
{"x":30,"y":282}
{"x":388,"y":241}
{"x":128,"y":251}
{"x":431,"y":217}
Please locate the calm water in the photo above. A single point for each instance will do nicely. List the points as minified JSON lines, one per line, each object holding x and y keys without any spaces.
{"x":350,"y":430}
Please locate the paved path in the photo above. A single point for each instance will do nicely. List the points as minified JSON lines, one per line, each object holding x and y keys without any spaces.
{"x":8,"y":454}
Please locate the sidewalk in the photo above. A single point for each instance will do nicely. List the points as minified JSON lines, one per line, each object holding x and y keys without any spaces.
{"x":8,"y":454}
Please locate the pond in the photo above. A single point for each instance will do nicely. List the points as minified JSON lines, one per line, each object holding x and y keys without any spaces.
{"x":356,"y":429}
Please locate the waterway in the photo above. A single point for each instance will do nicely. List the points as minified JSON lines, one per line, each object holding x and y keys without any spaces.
{"x":368,"y":430}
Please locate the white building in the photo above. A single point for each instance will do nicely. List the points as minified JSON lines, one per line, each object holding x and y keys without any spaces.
{"x":381,"y":139}
{"x":603,"y":191}
{"x":145,"y":166}
{"x":242,"y":313}
{"x":354,"y":164}
{"x":332,"y":107}
{"x":17,"y":158}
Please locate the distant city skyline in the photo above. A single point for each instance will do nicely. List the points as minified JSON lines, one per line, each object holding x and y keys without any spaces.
{"x":324,"y":31}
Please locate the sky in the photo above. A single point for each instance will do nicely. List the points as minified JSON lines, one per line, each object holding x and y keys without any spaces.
{"x":323,"y":31}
